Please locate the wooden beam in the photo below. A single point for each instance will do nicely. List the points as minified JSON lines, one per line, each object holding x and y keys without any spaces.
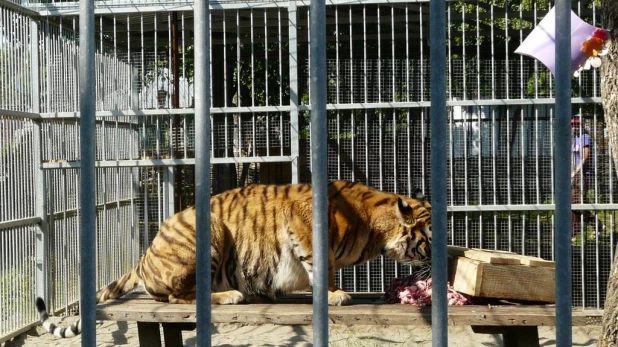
{"x":141,"y":308}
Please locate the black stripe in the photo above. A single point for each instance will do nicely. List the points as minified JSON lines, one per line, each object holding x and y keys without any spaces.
{"x":370,"y":242}
{"x":176,"y":243}
{"x":340,"y":246}
{"x":52,"y":328}
{"x":231,"y":272}
{"x":74,"y":328}
{"x":351,"y":244}
{"x":384,"y":201}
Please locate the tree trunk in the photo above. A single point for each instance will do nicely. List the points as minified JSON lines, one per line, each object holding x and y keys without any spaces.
{"x":609,"y":94}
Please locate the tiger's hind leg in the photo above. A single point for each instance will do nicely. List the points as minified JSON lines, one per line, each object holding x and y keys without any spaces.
{"x":229,"y":297}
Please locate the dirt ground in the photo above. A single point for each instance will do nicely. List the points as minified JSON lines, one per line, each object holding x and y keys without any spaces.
{"x":125,"y":334}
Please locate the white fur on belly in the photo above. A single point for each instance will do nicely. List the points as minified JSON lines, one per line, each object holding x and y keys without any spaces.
{"x":291,"y":275}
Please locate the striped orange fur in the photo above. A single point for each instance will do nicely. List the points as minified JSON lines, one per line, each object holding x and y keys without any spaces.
{"x":262,"y":243}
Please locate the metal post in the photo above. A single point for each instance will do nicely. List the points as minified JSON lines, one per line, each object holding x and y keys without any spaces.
{"x":439,"y":308}
{"x":42,"y":235}
{"x":87,"y":99}
{"x":169,"y":191}
{"x":202,"y":168}
{"x":563,"y":177}
{"x":319,"y":176}
{"x":293,"y":52}
{"x":176,"y":153}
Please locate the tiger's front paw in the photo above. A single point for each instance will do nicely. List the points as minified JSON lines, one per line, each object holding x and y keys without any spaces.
{"x":231,"y":297}
{"x":338,"y":298}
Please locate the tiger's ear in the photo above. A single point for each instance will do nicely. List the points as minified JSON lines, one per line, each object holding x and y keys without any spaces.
{"x":418,"y":194}
{"x":403,"y":208}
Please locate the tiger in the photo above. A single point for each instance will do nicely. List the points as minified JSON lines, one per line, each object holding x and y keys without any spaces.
{"x":261,"y":245}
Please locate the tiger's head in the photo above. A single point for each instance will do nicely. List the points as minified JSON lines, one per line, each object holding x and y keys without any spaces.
{"x":410,"y":241}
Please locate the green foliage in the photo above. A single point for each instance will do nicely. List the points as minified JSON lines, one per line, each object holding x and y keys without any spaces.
{"x":15,"y":83}
{"x":542,"y":80}
{"x":17,"y":291}
{"x":261,"y":77}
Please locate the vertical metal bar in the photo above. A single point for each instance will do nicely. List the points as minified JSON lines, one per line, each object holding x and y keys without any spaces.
{"x":266,"y":68}
{"x":463,"y":69}
{"x":293,"y":61}
{"x":202,"y":168}
{"x":319,"y":175}
{"x":507,"y":69}
{"x":552,"y":163}
{"x":87,"y":101}
{"x":481,"y":125}
{"x":3,"y":19}
{"x":143,"y":100}
{"x":169,"y":181}
{"x":351,"y":67}
{"x":537,"y":147}
{"x":337,"y":78}
{"x":450,"y":54}
{"x":393,"y":91}
{"x":42,"y":234}
{"x":563,"y":170}
{"x":252,"y":46}
{"x":407,"y":92}
{"x":146,"y":238}
{"x":366,"y":121}
{"x":439,"y":308}
{"x":379,"y":63}
{"x":478,"y":55}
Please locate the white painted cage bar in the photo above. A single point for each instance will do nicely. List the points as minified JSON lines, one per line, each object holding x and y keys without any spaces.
{"x":500,"y":119}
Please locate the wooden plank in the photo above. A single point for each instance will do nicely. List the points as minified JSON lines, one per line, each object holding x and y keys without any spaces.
{"x":141,"y":310}
{"x":518,"y":282}
{"x":483,"y":255}
{"x":530,"y":260}
{"x":499,"y":257}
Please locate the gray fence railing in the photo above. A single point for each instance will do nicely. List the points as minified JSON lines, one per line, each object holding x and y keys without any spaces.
{"x":501,"y":157}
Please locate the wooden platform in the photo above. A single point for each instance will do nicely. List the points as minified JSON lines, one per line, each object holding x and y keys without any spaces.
{"x":518,"y":323}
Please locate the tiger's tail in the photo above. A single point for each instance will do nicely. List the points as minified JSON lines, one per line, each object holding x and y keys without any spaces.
{"x":114,"y":290}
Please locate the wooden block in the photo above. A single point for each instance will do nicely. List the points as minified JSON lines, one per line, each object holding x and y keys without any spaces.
{"x":530,"y":260}
{"x":483,"y":255}
{"x":499,"y":257}
{"x":517,"y":282}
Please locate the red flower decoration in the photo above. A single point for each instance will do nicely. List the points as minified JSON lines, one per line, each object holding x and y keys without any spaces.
{"x":600,"y":34}
{"x":592,"y":46}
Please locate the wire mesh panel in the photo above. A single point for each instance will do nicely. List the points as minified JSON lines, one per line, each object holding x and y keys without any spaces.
{"x":58,"y":70}
{"x":18,"y":223}
{"x":16,"y":168}
{"x":17,"y":278}
{"x":499,"y":157}
{"x":500,"y":135}
{"x":15,"y":63}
